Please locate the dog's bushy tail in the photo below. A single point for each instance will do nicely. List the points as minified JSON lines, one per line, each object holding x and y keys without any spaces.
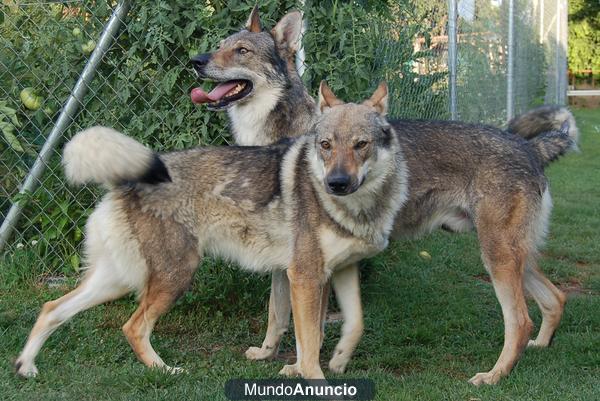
{"x":543,"y":119}
{"x":551,"y":145}
{"x":102,"y":155}
{"x":550,"y":129}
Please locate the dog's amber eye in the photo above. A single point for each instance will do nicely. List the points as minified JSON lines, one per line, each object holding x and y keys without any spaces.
{"x":325,"y":145}
{"x":242,"y":50}
{"x":361,"y":144}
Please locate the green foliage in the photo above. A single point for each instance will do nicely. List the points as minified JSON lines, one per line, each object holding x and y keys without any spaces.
{"x":355,"y":45}
{"x":8,"y":123}
{"x":584,"y":35}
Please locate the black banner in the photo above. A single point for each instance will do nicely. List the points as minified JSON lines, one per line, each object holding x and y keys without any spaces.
{"x":299,"y":389}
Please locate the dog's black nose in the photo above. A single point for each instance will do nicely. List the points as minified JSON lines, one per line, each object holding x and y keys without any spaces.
{"x":338,"y":183}
{"x":201,"y":60}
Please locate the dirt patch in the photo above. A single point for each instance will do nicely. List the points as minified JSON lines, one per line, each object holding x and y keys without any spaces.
{"x":582,"y":264}
{"x":334,"y":317}
{"x":483,"y":277}
{"x":289,"y":357}
{"x":573,"y":287}
{"x":408,"y":369}
{"x":256,"y":326}
{"x":589,"y":102}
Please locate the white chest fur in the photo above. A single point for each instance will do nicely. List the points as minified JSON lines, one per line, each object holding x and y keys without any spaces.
{"x":340,"y":251}
{"x":248,"y":119}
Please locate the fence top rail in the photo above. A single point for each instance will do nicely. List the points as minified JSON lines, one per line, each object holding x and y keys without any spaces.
{"x":584,"y":92}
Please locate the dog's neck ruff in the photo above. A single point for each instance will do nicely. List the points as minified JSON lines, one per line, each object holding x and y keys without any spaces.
{"x":249,"y":119}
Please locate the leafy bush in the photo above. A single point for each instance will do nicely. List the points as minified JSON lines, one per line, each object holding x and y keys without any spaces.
{"x":355,"y":45}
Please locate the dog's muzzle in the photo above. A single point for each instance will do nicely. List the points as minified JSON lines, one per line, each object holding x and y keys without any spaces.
{"x":340,"y":184}
{"x":225,"y":93}
{"x":199,"y":63}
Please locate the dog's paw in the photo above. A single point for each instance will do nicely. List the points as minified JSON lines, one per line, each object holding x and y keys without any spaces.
{"x":339,"y":361}
{"x":27,"y":370}
{"x":290,"y":371}
{"x":490,"y":377}
{"x":536,"y":344}
{"x":260,"y":354}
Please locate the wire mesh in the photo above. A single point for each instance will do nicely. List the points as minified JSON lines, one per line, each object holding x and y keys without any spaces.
{"x":142,"y":85}
{"x":141,"y":88}
{"x":483,"y":58}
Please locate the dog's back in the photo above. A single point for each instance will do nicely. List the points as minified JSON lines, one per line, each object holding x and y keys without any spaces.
{"x":454,"y":165}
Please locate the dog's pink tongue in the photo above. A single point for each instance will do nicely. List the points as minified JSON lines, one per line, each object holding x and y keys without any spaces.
{"x":199,"y":96}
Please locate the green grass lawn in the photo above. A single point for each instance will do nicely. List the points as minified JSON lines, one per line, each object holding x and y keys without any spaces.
{"x":430,"y":325}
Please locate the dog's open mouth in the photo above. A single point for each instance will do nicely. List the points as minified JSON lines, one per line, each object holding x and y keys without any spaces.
{"x":224,"y":94}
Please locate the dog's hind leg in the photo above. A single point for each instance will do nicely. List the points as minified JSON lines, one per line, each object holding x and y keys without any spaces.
{"x":280,"y":308}
{"x":164,"y":286}
{"x":508,"y":284}
{"x":550,"y":300}
{"x":138,"y":328}
{"x":347,"y":290}
{"x":504,"y":253}
{"x":99,"y":286}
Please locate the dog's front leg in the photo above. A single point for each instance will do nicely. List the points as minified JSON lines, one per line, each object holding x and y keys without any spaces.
{"x":280,"y":307}
{"x":306,"y":289}
{"x":347,"y":289}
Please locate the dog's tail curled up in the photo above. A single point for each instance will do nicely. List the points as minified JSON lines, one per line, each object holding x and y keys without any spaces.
{"x":543,"y":119}
{"x":104,"y":156}
{"x":551,"y":145}
{"x":550,"y":129}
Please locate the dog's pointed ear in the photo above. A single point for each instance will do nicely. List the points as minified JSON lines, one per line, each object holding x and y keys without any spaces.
{"x":253,"y":23}
{"x":326,"y":97}
{"x":379,"y":99}
{"x":287,"y":31}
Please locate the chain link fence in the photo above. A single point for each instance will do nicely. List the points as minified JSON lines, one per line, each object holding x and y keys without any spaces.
{"x":500,"y":58}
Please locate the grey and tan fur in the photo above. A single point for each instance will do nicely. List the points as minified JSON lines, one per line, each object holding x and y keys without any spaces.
{"x":461,"y":177}
{"x":302,"y":208}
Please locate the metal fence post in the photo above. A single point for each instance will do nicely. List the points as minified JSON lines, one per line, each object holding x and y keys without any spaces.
{"x":542,"y":21}
{"x":561,"y":51}
{"x":452,"y":59}
{"x":65,"y":118}
{"x":510,"y":60}
{"x":300,"y":56}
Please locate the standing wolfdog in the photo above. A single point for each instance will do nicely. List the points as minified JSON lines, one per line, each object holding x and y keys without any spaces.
{"x":303,"y":208}
{"x":461,"y":177}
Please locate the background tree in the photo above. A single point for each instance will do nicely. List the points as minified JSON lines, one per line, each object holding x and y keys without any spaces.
{"x":584,"y":35}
